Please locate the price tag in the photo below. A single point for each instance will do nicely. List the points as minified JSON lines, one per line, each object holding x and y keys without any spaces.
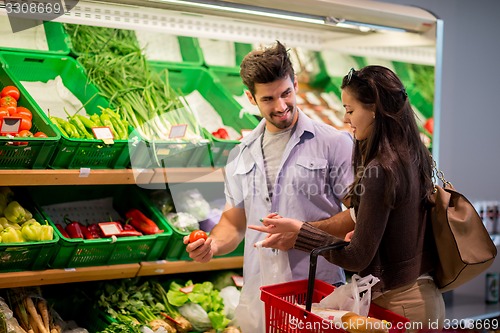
{"x":109,"y":228}
{"x":245,"y":132}
{"x":177,"y":131}
{"x":104,"y":134}
{"x":238,"y":280}
{"x":84,"y":172}
{"x":10,"y":125}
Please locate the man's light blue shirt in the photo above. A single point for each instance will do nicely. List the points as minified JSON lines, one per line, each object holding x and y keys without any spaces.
{"x":314,"y":176}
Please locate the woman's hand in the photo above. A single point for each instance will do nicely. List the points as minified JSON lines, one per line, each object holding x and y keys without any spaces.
{"x":283,"y":242}
{"x":277,"y":224}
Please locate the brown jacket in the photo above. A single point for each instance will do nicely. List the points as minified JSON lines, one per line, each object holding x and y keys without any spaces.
{"x":393,"y":244}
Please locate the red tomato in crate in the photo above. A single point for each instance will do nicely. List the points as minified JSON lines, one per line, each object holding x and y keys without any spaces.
{"x":21,"y":111}
{"x":10,"y":91}
{"x":24,"y":134}
{"x":40,"y":135}
{"x":4,"y":112}
{"x":25,"y":124}
{"x":9,"y":103}
{"x":223,"y":133}
{"x":197,"y":234}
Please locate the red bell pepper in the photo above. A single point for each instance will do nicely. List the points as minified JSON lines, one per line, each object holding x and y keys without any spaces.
{"x":128,"y":233}
{"x":62,"y":231}
{"x":87,"y":233}
{"x":128,"y":227}
{"x":73,"y":228}
{"x":142,"y":223}
{"x":95,"y":230}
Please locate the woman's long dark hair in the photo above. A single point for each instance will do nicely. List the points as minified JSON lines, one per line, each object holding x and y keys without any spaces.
{"x":395,"y":139}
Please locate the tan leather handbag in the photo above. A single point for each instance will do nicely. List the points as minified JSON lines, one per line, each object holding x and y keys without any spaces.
{"x":464,"y":246}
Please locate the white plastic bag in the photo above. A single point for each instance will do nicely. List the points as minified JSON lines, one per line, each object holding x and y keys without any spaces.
{"x":354,"y":296}
{"x":274,"y":268}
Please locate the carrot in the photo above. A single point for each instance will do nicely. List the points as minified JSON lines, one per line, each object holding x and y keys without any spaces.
{"x":38,"y":323}
{"x":42,"y":307}
{"x":33,"y":326}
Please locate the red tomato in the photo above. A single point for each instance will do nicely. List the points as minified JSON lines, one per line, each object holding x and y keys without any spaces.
{"x":4,"y":112}
{"x":10,"y":91}
{"x":197,"y":234}
{"x":21,"y":111}
{"x":223,"y":133}
{"x":24,"y":134}
{"x":25,"y":124}
{"x":429,"y":125}
{"x":40,"y":135}
{"x":9,"y":102}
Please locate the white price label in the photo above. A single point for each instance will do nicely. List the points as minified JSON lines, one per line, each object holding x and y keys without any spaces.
{"x":109,"y":228}
{"x":177,"y":131}
{"x":104,"y":134}
{"x":10,"y":125}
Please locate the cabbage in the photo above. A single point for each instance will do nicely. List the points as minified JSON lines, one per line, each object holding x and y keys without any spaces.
{"x":195,"y":314}
{"x":192,"y":202}
{"x":183,"y":221}
{"x":231,"y":297}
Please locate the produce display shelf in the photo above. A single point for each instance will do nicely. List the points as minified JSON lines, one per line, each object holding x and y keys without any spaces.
{"x":122,"y":271}
{"x":162,"y":267}
{"x":83,"y":176}
{"x":11,"y":177}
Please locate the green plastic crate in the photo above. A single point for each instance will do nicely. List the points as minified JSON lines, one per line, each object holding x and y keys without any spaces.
{"x":176,"y":249}
{"x":29,"y":255}
{"x":169,"y":154}
{"x":71,"y":153}
{"x":27,"y":153}
{"x":189,"y":79}
{"x":57,"y":40}
{"x":190,"y":52}
{"x":103,"y":251}
{"x":240,"y":51}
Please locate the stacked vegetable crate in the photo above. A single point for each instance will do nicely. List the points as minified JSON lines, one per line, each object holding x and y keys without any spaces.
{"x":176,"y":249}
{"x":116,"y":64}
{"x":85,"y":204}
{"x":27,"y":152}
{"x":189,"y":79}
{"x":71,"y":153}
{"x":31,"y":255}
{"x":54,"y":33}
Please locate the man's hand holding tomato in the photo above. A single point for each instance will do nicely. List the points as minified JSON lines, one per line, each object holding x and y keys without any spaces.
{"x":200,"y":247}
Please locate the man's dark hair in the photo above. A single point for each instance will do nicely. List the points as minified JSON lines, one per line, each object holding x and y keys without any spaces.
{"x":265,"y":66}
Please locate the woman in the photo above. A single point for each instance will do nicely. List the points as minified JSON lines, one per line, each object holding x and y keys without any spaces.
{"x":393,"y":177}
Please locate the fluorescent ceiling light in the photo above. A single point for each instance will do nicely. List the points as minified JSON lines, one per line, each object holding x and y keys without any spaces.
{"x":218,"y":5}
{"x":241,"y":10}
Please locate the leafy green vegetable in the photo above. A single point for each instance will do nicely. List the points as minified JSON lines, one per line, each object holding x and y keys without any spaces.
{"x":203,"y":294}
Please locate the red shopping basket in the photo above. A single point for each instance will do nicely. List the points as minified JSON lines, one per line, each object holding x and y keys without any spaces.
{"x":285,"y":315}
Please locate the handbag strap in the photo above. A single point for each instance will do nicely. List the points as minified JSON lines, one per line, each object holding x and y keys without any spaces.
{"x":439,"y":174}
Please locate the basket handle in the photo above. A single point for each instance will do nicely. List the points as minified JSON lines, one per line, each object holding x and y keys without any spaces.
{"x":312,"y":269}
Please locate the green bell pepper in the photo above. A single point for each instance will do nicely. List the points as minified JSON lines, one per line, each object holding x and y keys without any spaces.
{"x":46,"y":232}
{"x":31,"y":230}
{"x":11,"y":235}
{"x":6,"y":192}
{"x":4,"y":222}
{"x":14,"y":212}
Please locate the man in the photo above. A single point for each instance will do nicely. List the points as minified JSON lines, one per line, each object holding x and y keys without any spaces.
{"x":289,"y":164}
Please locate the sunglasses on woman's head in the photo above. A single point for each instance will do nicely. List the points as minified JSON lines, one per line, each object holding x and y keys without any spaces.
{"x":351,"y":74}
